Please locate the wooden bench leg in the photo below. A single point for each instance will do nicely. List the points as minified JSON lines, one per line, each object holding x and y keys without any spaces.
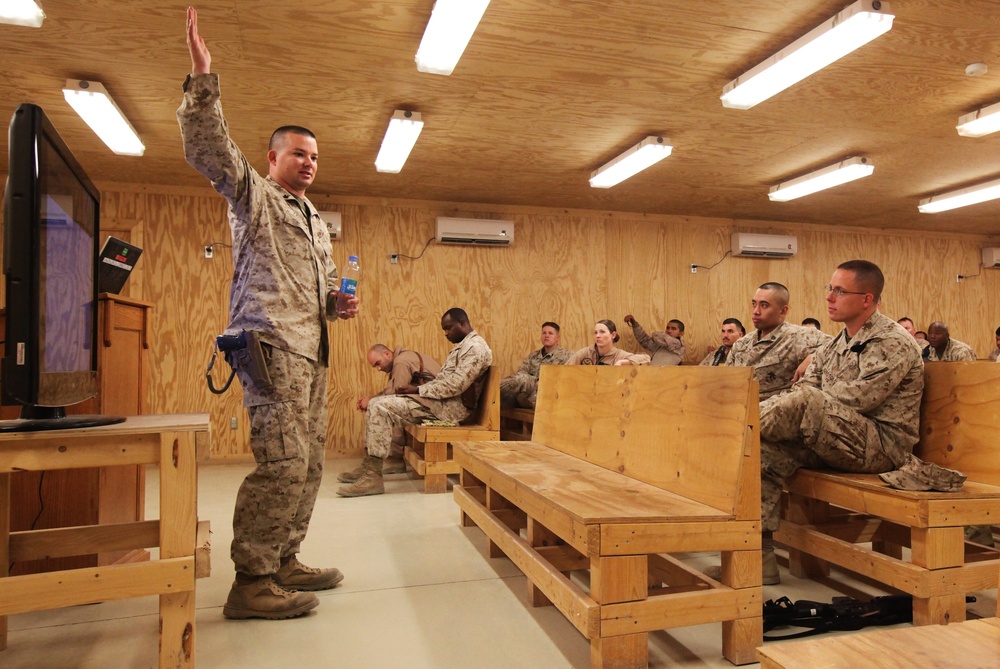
{"x":435,"y":452}
{"x":614,"y":580}
{"x":806,"y":511}
{"x":468,"y":481}
{"x":498,"y":504}
{"x":938,"y":548}
{"x":740,"y":639}
{"x":629,"y":651}
{"x":538,"y":536}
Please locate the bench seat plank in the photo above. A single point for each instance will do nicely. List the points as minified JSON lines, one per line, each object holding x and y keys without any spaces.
{"x":975,"y":643}
{"x":586,"y":492}
{"x":976,"y":503}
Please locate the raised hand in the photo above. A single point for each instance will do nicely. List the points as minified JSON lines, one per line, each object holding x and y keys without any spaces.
{"x":201,"y":59}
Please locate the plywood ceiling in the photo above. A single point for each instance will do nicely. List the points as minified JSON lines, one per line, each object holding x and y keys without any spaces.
{"x":547,"y":91}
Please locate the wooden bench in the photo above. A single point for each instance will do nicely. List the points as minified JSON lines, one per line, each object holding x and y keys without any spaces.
{"x":428,"y":450}
{"x":859,"y":523}
{"x":629,"y":465}
{"x":961,"y":645}
{"x":515,"y":424}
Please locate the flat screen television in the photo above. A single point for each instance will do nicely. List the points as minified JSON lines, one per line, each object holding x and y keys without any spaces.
{"x":50,"y":248}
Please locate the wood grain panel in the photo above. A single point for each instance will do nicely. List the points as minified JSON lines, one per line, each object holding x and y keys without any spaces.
{"x":571,"y":266}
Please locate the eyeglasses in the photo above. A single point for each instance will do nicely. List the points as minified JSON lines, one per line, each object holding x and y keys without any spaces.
{"x":840,"y":292}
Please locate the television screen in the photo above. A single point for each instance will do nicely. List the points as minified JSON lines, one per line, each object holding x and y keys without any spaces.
{"x":51,"y":214}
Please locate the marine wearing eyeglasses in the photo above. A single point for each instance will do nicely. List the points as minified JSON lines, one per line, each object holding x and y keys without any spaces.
{"x":856,"y":409}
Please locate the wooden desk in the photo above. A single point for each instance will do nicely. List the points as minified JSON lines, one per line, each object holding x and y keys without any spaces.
{"x":172,"y":442}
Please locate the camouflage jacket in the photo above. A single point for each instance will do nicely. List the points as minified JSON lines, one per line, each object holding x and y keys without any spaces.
{"x":282,"y":264}
{"x":776,"y":356}
{"x":879,"y":374}
{"x":953,"y":352}
{"x":536,"y":359}
{"x":464,"y":365}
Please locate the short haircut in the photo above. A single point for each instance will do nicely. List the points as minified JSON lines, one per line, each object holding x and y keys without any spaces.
{"x":910,"y":320}
{"x":920,"y":332}
{"x":998,"y":332}
{"x":457,"y":315}
{"x":550,"y":324}
{"x":780,"y":291}
{"x":812,"y":321}
{"x":680,"y":324}
{"x":278,"y":136}
{"x":736,"y":322}
{"x":612,"y":328}
{"x":868,"y":275}
{"x":378,"y":349}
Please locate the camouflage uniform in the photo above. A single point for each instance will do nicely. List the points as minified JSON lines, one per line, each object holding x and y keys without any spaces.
{"x":857,"y":409}
{"x":776,"y":356}
{"x":521,"y":388}
{"x":953,"y":352}
{"x":439,"y":399}
{"x":282,"y":274}
{"x":666,"y":350}
{"x":715,"y":358}
{"x":995,"y":355}
{"x":589,"y":356}
{"x":405,"y":365}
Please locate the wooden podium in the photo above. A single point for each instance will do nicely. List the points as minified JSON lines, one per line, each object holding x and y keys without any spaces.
{"x":173,"y":443}
{"x":96,"y":495}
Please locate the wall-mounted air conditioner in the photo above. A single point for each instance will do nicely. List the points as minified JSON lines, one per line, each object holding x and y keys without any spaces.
{"x":475,"y":231}
{"x":756,"y":245}
{"x":333,"y":222}
{"x":991,"y":257}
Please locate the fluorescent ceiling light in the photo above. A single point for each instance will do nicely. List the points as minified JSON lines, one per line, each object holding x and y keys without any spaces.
{"x":93,"y":103}
{"x":980,"y":122}
{"x":647,"y":152}
{"x":21,"y":13}
{"x":821,"y":179}
{"x":961,"y":198}
{"x":400,"y":136}
{"x":448,"y":33}
{"x":849,"y":29}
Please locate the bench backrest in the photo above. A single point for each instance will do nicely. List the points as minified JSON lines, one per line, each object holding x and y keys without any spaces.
{"x":487,"y":411}
{"x":689,"y":430}
{"x":960,"y":418}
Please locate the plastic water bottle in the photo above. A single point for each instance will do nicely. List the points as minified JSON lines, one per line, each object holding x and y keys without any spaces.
{"x":348,"y":284}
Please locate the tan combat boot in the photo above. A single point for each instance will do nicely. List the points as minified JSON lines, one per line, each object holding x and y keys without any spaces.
{"x":370,"y":482}
{"x":393,"y":466}
{"x":261,"y":597}
{"x":293,"y":575}
{"x":352,"y":475}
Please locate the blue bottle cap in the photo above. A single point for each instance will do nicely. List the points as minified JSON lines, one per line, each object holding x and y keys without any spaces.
{"x":352,"y":259}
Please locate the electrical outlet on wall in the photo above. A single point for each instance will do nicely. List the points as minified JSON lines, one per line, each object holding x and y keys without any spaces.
{"x":209,"y":252}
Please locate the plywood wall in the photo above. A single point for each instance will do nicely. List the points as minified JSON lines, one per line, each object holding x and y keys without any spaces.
{"x":573,"y":267}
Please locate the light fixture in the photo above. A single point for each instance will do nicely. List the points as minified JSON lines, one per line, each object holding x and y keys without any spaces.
{"x":400,"y":136}
{"x":94,"y":104}
{"x":827,"y":177}
{"x":644,"y":154}
{"x":22,"y":13}
{"x":839,"y":35}
{"x":962,"y":197}
{"x":980,"y":122}
{"x":448,"y":33}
